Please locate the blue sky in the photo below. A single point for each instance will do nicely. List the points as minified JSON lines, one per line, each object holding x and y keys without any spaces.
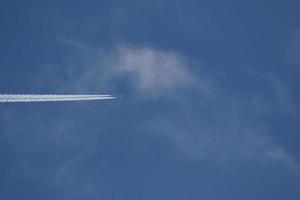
{"x":207,"y":109}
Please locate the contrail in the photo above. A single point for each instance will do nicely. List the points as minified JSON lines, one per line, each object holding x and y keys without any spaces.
{"x":7,"y":98}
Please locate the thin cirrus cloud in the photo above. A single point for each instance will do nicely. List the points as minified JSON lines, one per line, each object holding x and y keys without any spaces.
{"x":148,"y":71}
{"x":208,"y":123}
{"x":154,"y":71}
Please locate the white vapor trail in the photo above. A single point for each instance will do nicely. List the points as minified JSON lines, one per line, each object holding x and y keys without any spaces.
{"x":7,"y":98}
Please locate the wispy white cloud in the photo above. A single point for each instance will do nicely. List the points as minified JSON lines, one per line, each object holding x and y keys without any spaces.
{"x":279,"y":155}
{"x":283,"y":95}
{"x":206,"y":122}
{"x":212,"y":123}
{"x":224,"y":131}
{"x":153,"y":71}
{"x":150,"y":72}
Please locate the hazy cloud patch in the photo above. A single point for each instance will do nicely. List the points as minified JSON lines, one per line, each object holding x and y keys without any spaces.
{"x":153,"y":72}
{"x":204,"y":121}
{"x":212,"y":123}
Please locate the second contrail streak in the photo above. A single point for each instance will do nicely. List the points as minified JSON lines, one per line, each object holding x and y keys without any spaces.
{"x":7,"y":98}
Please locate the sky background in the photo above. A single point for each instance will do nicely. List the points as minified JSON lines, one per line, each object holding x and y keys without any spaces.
{"x":208,"y":103}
